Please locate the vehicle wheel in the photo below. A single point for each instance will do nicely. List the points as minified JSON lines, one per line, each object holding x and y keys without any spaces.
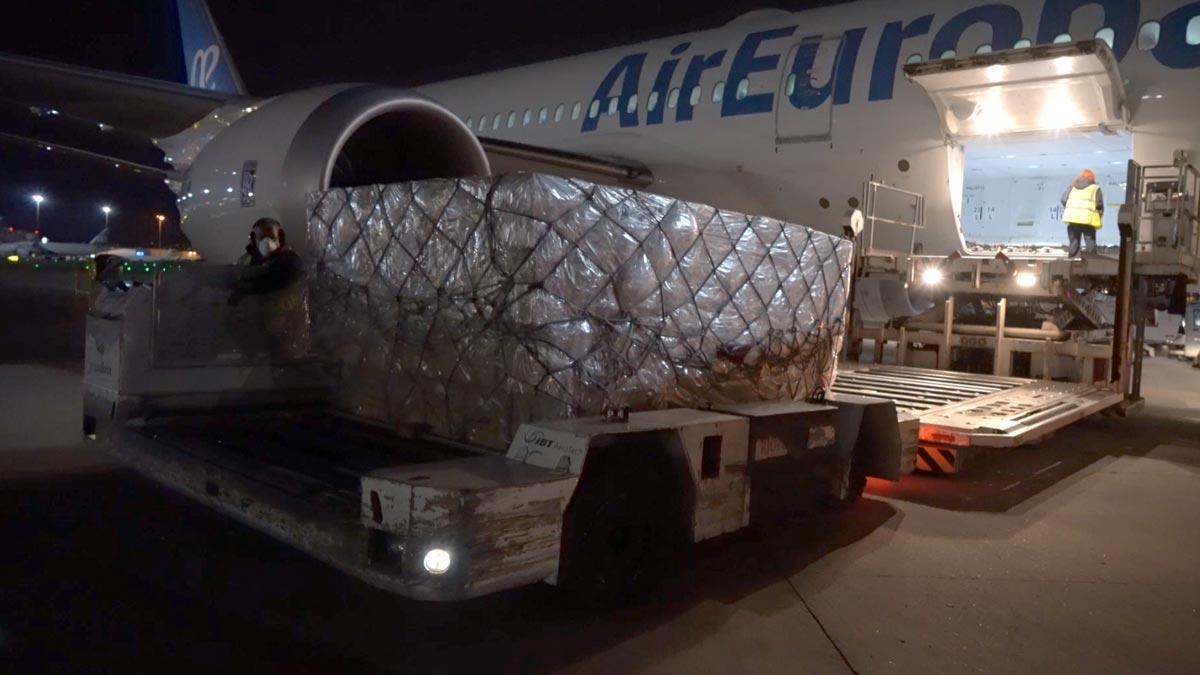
{"x":621,"y":532}
{"x":848,"y":486}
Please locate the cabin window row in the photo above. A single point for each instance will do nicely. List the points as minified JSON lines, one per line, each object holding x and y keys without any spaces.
{"x":611,"y":107}
{"x":1147,"y":39}
{"x":544,"y":115}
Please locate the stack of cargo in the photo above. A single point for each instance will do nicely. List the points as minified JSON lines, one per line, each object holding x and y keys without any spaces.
{"x":468,"y":306}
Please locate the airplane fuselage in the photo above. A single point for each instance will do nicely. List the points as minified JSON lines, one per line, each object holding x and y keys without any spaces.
{"x":763,"y":144}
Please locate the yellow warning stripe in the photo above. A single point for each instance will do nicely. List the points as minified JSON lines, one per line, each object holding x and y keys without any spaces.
{"x":935,"y":460}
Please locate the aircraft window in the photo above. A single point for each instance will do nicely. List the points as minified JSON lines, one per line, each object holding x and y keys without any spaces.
{"x":558,"y":113}
{"x":612,"y":106}
{"x":718,"y":92}
{"x":743,"y":89}
{"x":824,"y":202}
{"x":594,"y":110}
{"x":470,"y":122}
{"x":631,"y":105}
{"x":983,"y":49}
{"x":526,"y":118}
{"x":903,"y":165}
{"x":694,"y":98}
{"x":673,"y":98}
{"x":1148,"y":35}
{"x":1023,"y":43}
{"x":1106,"y":34}
{"x":575,"y":110}
{"x":1192,"y":35}
{"x":512,"y":118}
{"x":948,"y":54}
{"x":496,"y":122}
{"x":543,"y":115}
{"x":652,"y":101}
{"x":1061,"y":38}
{"x":790,"y":88}
{"x":914,"y":58}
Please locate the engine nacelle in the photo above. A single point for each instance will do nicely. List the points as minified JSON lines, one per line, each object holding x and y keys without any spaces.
{"x":267,"y":161}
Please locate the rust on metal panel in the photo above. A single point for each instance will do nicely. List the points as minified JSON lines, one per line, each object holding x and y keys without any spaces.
{"x":394,"y":501}
{"x":503,"y":519}
{"x":722,"y":502}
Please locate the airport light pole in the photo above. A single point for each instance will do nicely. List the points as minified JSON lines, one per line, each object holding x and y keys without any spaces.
{"x":107,"y":210}
{"x":37,"y":211}
{"x":160,"y":218}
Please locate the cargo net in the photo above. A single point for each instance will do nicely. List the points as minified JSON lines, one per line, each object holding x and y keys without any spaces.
{"x":469,"y":306}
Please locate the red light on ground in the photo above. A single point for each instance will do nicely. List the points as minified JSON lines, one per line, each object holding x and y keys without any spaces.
{"x":881,"y":487}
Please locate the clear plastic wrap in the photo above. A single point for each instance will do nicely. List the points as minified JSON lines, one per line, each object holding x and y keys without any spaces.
{"x":469,"y":306}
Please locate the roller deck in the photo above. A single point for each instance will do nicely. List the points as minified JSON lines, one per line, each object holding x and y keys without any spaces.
{"x":971,"y":410}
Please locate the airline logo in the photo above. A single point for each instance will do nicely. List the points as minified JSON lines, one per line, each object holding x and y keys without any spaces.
{"x":204,"y":64}
{"x":760,"y":54}
{"x":207,"y":66}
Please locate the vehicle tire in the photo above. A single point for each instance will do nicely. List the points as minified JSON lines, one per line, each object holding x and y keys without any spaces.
{"x":622,"y":531}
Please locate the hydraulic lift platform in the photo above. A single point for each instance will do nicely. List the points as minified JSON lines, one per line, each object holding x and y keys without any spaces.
{"x":964,"y":411}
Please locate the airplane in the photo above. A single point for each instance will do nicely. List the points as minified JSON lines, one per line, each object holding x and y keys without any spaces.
{"x":985,"y":111}
{"x":42,"y":247}
{"x":98,"y":248}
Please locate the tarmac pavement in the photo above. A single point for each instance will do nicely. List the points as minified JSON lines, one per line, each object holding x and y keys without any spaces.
{"x":1078,"y":555}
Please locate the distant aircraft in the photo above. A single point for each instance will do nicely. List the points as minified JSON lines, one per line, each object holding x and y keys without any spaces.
{"x":42,"y":248}
{"x":986,"y":110}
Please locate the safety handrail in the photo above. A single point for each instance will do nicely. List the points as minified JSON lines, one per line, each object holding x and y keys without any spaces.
{"x":1183,"y":203}
{"x":871,"y":191}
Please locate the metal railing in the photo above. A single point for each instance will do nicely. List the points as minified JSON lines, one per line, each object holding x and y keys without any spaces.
{"x":1167,"y":197}
{"x":914,"y":202}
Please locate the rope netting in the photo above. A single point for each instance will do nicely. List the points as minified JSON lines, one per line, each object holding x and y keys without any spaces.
{"x":469,"y":306}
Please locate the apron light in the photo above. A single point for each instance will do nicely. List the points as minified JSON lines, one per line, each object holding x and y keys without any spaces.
{"x":437,"y":561}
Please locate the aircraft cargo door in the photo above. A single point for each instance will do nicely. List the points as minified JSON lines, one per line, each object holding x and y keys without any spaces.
{"x":1073,"y":86}
{"x":804,"y":113}
{"x":1024,"y":123}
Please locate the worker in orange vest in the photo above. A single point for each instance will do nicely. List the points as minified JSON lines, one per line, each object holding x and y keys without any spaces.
{"x":1083,"y":211}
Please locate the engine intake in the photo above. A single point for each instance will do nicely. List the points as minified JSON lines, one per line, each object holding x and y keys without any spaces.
{"x":267,"y":161}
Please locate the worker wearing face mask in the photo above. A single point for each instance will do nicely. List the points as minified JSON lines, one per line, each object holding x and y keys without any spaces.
{"x":273,"y":270}
{"x":278,"y":265}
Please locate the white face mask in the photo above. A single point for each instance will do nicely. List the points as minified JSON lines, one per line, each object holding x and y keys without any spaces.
{"x":266,"y":246}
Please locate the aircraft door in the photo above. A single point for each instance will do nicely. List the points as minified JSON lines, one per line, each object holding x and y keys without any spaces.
{"x":804,"y":113}
{"x":1074,"y":86}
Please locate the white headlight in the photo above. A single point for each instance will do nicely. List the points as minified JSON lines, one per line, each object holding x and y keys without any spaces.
{"x":931,"y":276}
{"x":1027,"y":279}
{"x":437,"y":561}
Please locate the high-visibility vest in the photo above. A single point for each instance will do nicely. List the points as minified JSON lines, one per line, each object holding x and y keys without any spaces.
{"x":1081,"y":207}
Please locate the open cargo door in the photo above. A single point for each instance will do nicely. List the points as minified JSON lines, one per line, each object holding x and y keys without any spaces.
{"x":1068,"y":86}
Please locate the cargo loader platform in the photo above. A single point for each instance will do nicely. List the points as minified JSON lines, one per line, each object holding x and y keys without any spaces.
{"x":964,"y":411}
{"x":327,"y":484}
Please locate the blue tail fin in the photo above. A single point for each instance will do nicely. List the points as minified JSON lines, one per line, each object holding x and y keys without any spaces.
{"x":207,"y":60}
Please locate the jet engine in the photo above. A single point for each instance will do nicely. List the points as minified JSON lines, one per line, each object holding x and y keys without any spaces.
{"x":251,"y":160}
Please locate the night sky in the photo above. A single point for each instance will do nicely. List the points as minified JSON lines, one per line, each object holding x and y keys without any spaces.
{"x":279,"y":45}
